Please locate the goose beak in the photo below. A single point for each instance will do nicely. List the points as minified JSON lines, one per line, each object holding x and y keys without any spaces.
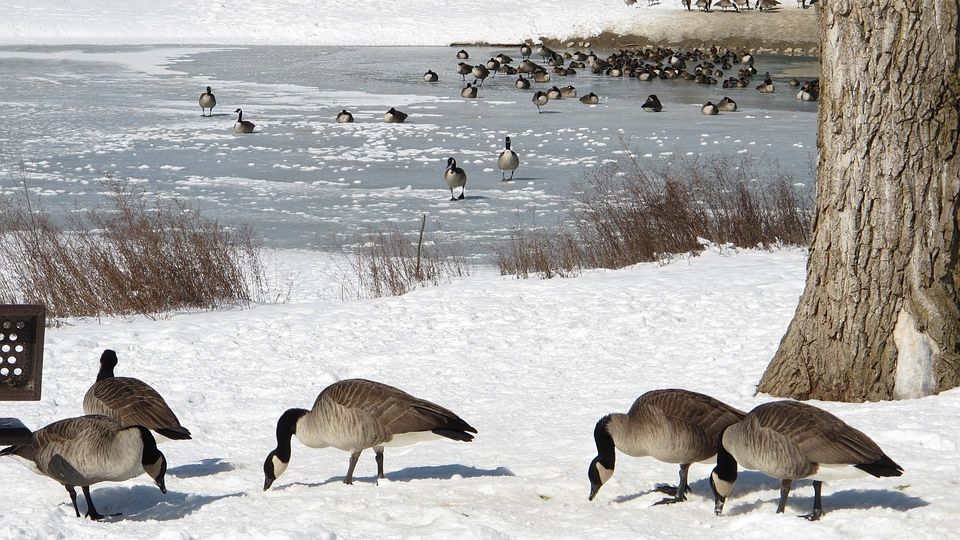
{"x":267,"y":482}
{"x":593,"y":491}
{"x":162,"y":484}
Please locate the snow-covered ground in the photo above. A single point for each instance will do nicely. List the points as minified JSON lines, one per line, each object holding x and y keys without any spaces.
{"x":399,"y":22}
{"x":532,"y":364}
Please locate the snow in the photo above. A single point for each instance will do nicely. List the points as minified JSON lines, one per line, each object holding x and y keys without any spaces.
{"x":532,"y":364}
{"x":400,"y":22}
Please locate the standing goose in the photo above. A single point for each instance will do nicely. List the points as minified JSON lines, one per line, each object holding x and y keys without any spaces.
{"x":525,"y":51}
{"x":673,"y":426}
{"x":430,"y":76}
{"x":540,"y":99}
{"x":130,"y":401}
{"x":455,"y":177}
{"x":790,"y":440}
{"x":480,"y":73}
{"x":207,"y":101}
{"x":394,"y":116}
{"x":86,"y":450}
{"x":508,"y":161}
{"x":345,"y":117}
{"x":356,"y":414}
{"x":243,"y":126}
{"x":652,"y":104}
{"x":464,"y":69}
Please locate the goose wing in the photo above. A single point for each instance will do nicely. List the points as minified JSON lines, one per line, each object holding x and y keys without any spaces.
{"x":703,"y":412}
{"x":395,"y":410}
{"x":131,"y":402}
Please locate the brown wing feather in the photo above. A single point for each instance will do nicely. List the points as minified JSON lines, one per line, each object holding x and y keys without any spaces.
{"x":133,"y":402}
{"x":394,"y":409}
{"x":690,"y":408}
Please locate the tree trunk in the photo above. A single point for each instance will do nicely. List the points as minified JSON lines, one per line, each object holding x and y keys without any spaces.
{"x":880,"y":315}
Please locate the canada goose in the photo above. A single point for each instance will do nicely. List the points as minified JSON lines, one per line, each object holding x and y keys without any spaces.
{"x":590,"y":99}
{"x":528,"y":66}
{"x":356,"y":414}
{"x":455,"y":177}
{"x":469,"y":91}
{"x":130,"y":401}
{"x":207,"y":101}
{"x":522,"y":84}
{"x":430,"y":76}
{"x":508,"y":70}
{"x":766,"y":87}
{"x":241,"y":125}
{"x":464,"y":69}
{"x":809,"y":92}
{"x":493,"y":65}
{"x":394,"y":116}
{"x":652,"y":104}
{"x":86,"y":450}
{"x":568,"y":91}
{"x":344,"y":117}
{"x":703,"y":5}
{"x":673,"y":426}
{"x":727,"y":105}
{"x":793,"y":82}
{"x":791,"y":440}
{"x":480,"y":72}
{"x":709,"y":108}
{"x":724,"y":4}
{"x":540,"y":99}
{"x":525,"y":51}
{"x":504,"y":59}
{"x":554,"y":93}
{"x":541,"y":76}
{"x":767,"y":4}
{"x":747,"y":59}
{"x":742,"y":3}
{"x":508,"y":161}
{"x":462,"y":54}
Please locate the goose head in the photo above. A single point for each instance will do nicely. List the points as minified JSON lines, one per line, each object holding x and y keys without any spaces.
{"x":209,"y":91}
{"x":507,"y":142}
{"x":723,"y":477}
{"x":451,"y":164}
{"x":278,"y":458}
{"x":153,"y":461}
{"x":108,"y":361}
{"x":602,"y":466}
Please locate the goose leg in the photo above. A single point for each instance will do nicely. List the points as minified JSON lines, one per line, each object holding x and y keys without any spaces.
{"x":680,"y":492}
{"x":73,"y":497}
{"x":511,"y":175}
{"x":452,"y":197}
{"x":379,"y":457}
{"x":354,"y":457}
{"x":462,"y":192}
{"x":784,"y":491}
{"x":91,"y":510}
{"x":817,"y":508}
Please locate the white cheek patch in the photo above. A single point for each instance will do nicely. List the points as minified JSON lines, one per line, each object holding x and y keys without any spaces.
{"x":278,"y":467}
{"x":604,"y":473}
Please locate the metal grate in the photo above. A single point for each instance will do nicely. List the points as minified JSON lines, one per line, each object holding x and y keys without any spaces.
{"x":21,"y":351}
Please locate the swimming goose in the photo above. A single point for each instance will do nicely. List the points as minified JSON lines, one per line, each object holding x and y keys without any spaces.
{"x":356,"y":414}
{"x":455,"y":177}
{"x":207,"y":101}
{"x":394,"y":116}
{"x":652,"y":104}
{"x":791,"y":440}
{"x":130,"y":401}
{"x":469,"y":91}
{"x":86,"y":450}
{"x":430,"y":76}
{"x":540,"y":99}
{"x":344,"y":117}
{"x":241,"y":125}
{"x":462,"y":54}
{"x":590,"y":99}
{"x":709,"y":108}
{"x":508,"y":161}
{"x":727,"y":105}
{"x":673,"y":426}
{"x":522,"y":84}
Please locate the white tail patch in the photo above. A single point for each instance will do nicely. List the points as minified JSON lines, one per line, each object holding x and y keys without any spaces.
{"x":915,"y":355}
{"x":407,"y":439}
{"x":828,"y":472}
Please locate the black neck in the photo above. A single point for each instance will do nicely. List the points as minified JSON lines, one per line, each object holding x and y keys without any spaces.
{"x":508,"y":143}
{"x":606,"y":450}
{"x":726,"y":468}
{"x":286,"y":427}
{"x":106,"y":372}
{"x":150,"y":451}
{"x":239,"y":116}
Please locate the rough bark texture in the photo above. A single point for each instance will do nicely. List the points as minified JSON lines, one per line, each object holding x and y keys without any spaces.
{"x":886,"y":238}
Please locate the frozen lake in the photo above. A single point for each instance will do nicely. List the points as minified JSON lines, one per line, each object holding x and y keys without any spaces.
{"x":303,"y":180}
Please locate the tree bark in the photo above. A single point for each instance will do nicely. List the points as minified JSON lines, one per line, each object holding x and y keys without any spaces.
{"x":880,"y":315}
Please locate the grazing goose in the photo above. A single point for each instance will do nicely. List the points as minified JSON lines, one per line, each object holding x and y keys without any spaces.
{"x":464,"y":69}
{"x":469,"y":91}
{"x":356,"y":414}
{"x":241,"y":125}
{"x":344,"y":117}
{"x":455,"y":177}
{"x":590,"y":99}
{"x":709,"y":108}
{"x":540,"y":99}
{"x":462,"y":54}
{"x":673,"y":426}
{"x":430,"y":76}
{"x":394,"y":116}
{"x":522,"y":84}
{"x":86,"y":450}
{"x":790,"y":440}
{"x":652,"y":104}
{"x":727,"y":105}
{"x":130,"y":401}
{"x":207,"y":101}
{"x":508,"y":161}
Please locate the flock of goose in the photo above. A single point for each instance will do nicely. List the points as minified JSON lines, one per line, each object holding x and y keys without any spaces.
{"x":787,"y":440}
